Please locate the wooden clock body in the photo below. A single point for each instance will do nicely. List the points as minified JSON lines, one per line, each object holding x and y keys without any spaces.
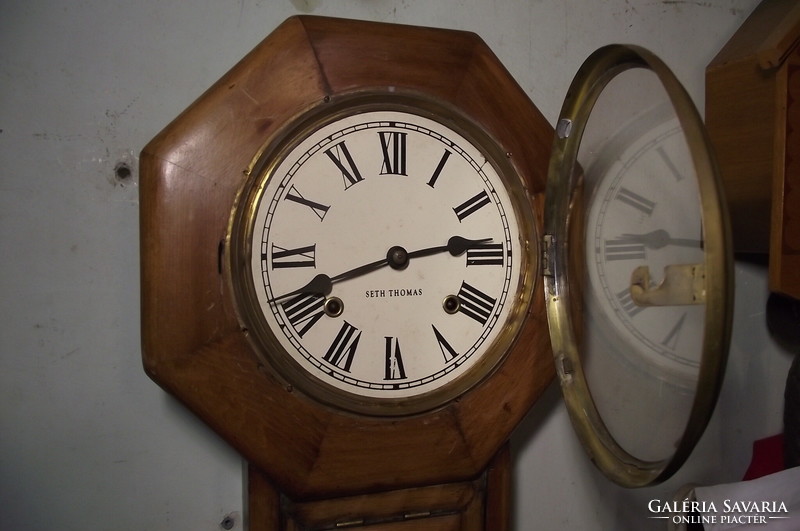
{"x":311,"y":465}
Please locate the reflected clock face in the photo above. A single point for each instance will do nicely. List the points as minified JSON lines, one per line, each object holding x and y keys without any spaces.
{"x":638,"y":290}
{"x":388,"y":258}
{"x":646,"y":213}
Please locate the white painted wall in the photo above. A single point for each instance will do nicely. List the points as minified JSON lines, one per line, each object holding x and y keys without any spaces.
{"x":86,"y":440}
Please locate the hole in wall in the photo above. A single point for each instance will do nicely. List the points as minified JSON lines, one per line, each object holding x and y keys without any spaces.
{"x":122,"y":172}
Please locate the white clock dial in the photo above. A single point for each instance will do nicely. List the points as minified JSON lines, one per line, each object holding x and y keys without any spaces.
{"x":389,"y":257}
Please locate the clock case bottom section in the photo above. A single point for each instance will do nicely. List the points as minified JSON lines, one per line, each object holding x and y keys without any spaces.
{"x":482,"y":503}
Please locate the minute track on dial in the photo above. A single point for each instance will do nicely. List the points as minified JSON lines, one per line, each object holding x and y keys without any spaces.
{"x":396,"y":258}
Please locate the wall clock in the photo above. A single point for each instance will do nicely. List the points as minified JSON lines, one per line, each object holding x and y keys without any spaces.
{"x":340,"y":247}
{"x":342,"y":260}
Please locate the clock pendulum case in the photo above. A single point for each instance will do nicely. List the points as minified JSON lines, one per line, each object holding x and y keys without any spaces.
{"x":340,"y":273}
{"x":348,"y":266}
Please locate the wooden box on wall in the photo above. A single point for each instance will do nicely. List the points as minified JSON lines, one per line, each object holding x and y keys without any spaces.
{"x":753,"y":118}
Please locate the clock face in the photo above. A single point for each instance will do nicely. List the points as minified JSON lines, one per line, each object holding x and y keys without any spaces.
{"x":389,"y":258}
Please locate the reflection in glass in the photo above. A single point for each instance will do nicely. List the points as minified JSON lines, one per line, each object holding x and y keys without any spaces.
{"x":641,"y":350}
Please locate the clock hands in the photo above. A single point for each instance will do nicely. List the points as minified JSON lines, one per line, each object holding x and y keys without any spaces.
{"x":455,"y":246}
{"x":396,"y":258}
{"x":661,"y":238}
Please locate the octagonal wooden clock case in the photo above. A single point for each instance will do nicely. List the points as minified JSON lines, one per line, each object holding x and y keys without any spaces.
{"x":330,"y":144}
{"x":347,"y":270}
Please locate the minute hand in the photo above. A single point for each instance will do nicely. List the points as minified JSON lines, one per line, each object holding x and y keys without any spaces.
{"x":455,"y":246}
{"x":397,"y":257}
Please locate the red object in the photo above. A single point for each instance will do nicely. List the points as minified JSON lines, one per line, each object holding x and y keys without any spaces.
{"x":767,"y":457}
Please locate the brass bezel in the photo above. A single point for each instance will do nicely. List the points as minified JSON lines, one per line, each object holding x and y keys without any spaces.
{"x":239,"y":248}
{"x":563,"y":178}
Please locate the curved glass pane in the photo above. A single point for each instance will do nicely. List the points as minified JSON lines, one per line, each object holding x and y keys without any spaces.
{"x":637,"y":266}
{"x":641,"y":353}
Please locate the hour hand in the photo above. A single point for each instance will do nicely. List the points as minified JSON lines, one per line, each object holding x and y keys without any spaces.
{"x":319,"y":285}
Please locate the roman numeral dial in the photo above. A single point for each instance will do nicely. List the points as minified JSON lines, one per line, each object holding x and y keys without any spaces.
{"x":390,"y":257}
{"x":472,"y":205}
{"x":318,"y":209}
{"x":343,"y":349}
{"x":393,"y":148}
{"x":394,"y":360}
{"x":475,"y":304}
{"x":340,"y":155}
{"x":303,"y":256}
